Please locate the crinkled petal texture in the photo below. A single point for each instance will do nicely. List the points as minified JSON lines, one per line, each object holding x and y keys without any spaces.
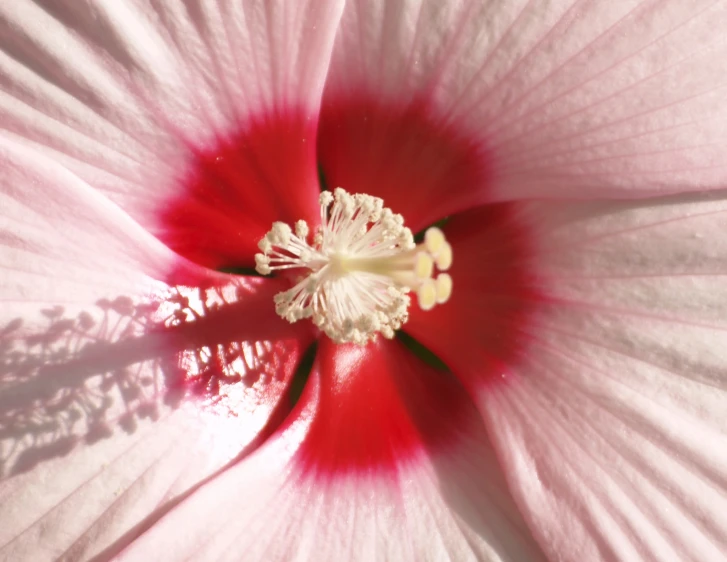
{"x":610,"y":426}
{"x":181,"y":112}
{"x":118,"y":393}
{"x":387,"y":459}
{"x":576,"y":98}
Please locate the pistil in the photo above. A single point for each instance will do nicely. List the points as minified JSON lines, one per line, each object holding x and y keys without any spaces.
{"x":358,"y":268}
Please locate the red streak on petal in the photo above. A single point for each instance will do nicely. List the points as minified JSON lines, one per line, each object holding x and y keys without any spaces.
{"x":235,"y":189}
{"x":483,"y":329}
{"x":378,"y":407}
{"x":421,"y":168}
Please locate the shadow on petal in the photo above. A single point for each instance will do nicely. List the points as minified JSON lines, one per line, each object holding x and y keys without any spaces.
{"x":218,"y":349}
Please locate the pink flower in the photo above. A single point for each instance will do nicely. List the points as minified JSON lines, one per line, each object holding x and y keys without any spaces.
{"x":149,"y":403}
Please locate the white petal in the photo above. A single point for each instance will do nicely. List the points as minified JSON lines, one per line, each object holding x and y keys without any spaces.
{"x":62,"y":243}
{"x":125,"y":92}
{"x":98,"y":424}
{"x":433,"y":503}
{"x":564,"y":97}
{"x":612,"y":427}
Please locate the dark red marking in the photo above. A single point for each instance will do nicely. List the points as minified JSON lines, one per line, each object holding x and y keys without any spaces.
{"x":483,"y":329}
{"x":236,"y":189}
{"x":422,"y":169}
{"x":378,"y":407}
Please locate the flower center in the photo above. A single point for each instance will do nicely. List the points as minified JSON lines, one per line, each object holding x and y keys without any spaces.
{"x":362,"y":264}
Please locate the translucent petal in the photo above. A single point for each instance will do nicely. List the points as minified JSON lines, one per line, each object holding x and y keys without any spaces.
{"x":171,"y":104}
{"x":118,"y":391}
{"x":386,"y":460}
{"x":609,"y":417}
{"x":574,"y":98}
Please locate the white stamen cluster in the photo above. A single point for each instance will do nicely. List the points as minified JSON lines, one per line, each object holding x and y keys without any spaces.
{"x":362,"y":263}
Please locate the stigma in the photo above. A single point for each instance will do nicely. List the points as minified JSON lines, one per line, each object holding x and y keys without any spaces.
{"x":356,"y":274}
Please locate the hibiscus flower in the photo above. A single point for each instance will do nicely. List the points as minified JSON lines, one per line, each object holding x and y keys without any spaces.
{"x":556,"y":394}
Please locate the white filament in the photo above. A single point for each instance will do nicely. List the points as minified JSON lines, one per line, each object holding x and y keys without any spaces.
{"x":357,"y":270}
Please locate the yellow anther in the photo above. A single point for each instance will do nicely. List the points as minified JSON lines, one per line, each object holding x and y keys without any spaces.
{"x":427,"y":295}
{"x":424,"y":266}
{"x":443,"y":258}
{"x":443,"y":284}
{"x":433,"y":240}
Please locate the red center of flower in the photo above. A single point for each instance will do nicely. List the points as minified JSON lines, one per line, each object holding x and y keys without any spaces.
{"x":236,"y":188}
{"x":421,"y":168}
{"x":425,"y":170}
{"x":377,"y":407}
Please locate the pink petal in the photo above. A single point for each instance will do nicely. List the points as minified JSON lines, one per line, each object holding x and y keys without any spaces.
{"x":62,"y":243}
{"x":571,"y":98}
{"x":415,"y":478}
{"x":118,"y":393}
{"x":150,"y":102}
{"x":611,"y":426}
